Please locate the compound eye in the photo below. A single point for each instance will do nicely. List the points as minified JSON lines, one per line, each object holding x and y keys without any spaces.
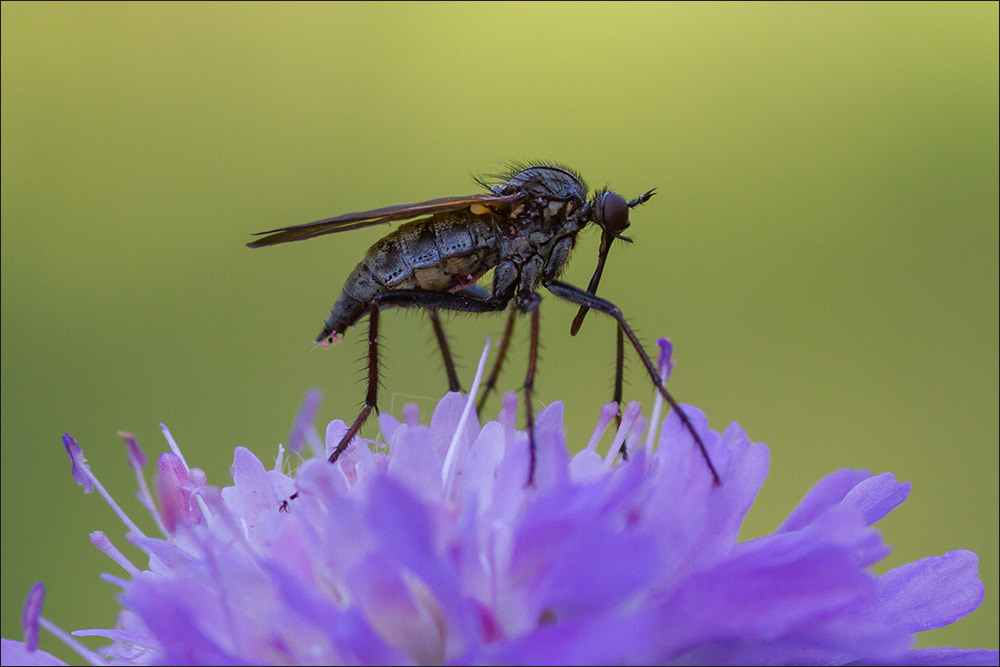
{"x":614,"y":213}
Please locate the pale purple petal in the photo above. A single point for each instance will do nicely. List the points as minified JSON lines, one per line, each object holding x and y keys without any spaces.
{"x":827,"y":493}
{"x":253,"y":491}
{"x":174,"y":493}
{"x":302,"y":426}
{"x":930,"y":593}
{"x":401,"y":609}
{"x":877,"y":496}
{"x":445,"y":420}
{"x":414,"y":463}
{"x":947,"y":656}
{"x":17,"y":653}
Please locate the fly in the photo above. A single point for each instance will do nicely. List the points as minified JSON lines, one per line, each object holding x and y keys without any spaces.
{"x":523,"y":228}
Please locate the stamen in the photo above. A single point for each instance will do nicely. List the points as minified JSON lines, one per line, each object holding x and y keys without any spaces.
{"x":638,"y":429}
{"x":608,"y":412}
{"x":101,"y":541}
{"x":665,"y":364}
{"x":279,"y":460}
{"x":628,"y":419}
{"x":448,"y":470}
{"x":411,"y":414}
{"x":174,"y":490}
{"x":173,"y":445}
{"x":508,"y":418}
{"x":32,"y":619}
{"x":30,"y":614}
{"x":72,"y":642}
{"x":81,"y":471}
{"x":137,"y":459}
{"x":120,"y":582}
{"x":302,"y":425}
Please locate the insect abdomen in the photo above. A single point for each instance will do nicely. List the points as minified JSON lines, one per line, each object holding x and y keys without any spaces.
{"x":440,"y":254}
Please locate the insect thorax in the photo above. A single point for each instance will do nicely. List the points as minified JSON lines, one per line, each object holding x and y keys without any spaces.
{"x":545,"y":181}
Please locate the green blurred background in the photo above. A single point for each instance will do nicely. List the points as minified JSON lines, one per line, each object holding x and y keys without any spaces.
{"x":823,"y":250}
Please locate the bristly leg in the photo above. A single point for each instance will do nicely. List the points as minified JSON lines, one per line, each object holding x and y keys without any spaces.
{"x":583,"y":298}
{"x":462,"y":301}
{"x":619,"y":373}
{"x":442,"y":340}
{"x":529,"y":387}
{"x":371,"y":397}
{"x":491,"y":382}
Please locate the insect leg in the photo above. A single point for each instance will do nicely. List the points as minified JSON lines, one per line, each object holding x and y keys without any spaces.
{"x":583,"y":298}
{"x":501,"y":356}
{"x":619,"y":370}
{"x":529,"y":387}
{"x":595,"y":280}
{"x":461,"y":301}
{"x":464,"y":301}
{"x":619,"y":373}
{"x":607,"y":237}
{"x":371,"y":397}
{"x":449,"y":361}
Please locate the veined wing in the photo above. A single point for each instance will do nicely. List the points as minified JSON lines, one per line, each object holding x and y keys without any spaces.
{"x":380,"y":216}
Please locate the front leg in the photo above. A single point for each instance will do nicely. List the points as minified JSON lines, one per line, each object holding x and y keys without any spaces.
{"x":583,"y":298}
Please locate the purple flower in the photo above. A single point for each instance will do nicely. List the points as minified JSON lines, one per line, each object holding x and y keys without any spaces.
{"x":430,"y":548}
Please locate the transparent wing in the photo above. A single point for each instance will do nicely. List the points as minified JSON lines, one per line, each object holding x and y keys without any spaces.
{"x":380,"y":216}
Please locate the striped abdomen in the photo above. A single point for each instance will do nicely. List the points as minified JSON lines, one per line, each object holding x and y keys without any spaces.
{"x":443,"y":253}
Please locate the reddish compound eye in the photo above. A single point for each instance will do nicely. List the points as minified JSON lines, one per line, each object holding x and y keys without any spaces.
{"x":613,"y":213}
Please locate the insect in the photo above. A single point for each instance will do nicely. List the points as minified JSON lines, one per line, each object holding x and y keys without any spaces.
{"x":523,"y":229}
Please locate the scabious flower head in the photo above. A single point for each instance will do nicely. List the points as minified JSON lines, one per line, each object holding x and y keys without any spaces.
{"x":431,"y":548}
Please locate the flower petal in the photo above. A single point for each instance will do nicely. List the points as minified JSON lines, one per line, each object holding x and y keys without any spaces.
{"x":173,"y":493}
{"x":252,"y":492}
{"x":877,"y":496}
{"x":17,"y":653}
{"x":388,"y":558}
{"x":930,"y":593}
{"x":825,"y":494}
{"x":949,"y":656}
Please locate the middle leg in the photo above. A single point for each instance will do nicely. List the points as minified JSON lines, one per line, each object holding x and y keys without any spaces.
{"x":442,"y":340}
{"x":529,"y":388}
{"x":491,"y":382}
